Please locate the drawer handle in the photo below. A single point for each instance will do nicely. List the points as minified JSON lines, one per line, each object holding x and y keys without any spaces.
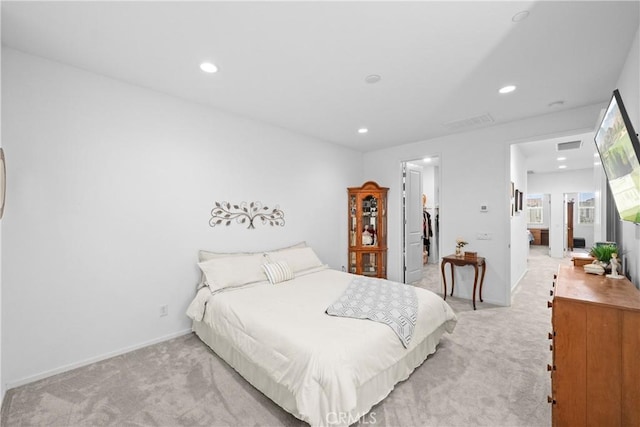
{"x":549,"y":304}
{"x":550,"y":336}
{"x":551,"y":400}
{"x":551,"y":293}
{"x":551,"y":347}
{"x":551,"y":368}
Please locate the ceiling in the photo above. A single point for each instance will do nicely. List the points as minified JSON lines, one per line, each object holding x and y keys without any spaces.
{"x":302,"y":65}
{"x":543,"y":156}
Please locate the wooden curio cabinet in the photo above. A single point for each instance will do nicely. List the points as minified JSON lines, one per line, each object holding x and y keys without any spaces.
{"x":368,"y":230}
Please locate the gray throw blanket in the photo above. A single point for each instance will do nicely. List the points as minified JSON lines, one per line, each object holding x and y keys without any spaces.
{"x":391,"y":303}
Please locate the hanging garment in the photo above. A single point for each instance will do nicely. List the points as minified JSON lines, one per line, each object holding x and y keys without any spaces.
{"x":427,"y":231}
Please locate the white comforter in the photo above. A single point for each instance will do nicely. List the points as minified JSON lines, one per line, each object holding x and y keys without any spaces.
{"x":321,"y":359}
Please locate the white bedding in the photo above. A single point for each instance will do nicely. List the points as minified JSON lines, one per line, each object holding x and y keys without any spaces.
{"x":329,"y":367}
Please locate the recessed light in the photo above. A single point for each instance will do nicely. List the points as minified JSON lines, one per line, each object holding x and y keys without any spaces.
{"x":373,"y":78}
{"x":363,"y":130}
{"x":597,"y":163}
{"x":507,"y":89}
{"x":208,"y":67}
{"x":561,"y":158}
{"x":520,"y":16}
{"x":427,"y":160}
{"x":562,"y":167}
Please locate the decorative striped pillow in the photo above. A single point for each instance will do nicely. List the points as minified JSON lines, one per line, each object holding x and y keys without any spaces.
{"x":278,"y":272}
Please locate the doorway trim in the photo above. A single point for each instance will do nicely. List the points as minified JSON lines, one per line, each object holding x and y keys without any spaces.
{"x":403,"y":217}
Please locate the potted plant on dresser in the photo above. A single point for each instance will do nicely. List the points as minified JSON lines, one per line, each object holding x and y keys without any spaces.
{"x":602,"y":254}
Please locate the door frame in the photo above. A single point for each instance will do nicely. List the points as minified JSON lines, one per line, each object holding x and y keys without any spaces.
{"x":403,"y":218}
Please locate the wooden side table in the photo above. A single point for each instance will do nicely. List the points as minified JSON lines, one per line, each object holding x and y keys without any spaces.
{"x":462,"y":261}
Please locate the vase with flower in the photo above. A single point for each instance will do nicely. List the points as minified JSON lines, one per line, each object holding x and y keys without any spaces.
{"x":460,"y":243}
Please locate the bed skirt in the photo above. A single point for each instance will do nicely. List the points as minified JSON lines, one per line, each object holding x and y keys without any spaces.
{"x":369,"y":394}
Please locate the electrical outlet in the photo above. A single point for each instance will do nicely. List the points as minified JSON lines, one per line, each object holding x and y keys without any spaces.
{"x":483,"y":236}
{"x":164,"y":310}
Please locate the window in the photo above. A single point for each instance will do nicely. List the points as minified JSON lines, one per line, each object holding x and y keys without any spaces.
{"x":586,"y":208}
{"x":534,"y":208}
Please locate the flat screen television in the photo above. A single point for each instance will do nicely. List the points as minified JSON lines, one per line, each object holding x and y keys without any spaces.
{"x":619,"y":150}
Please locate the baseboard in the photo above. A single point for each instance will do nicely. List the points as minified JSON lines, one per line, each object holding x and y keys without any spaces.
{"x":86,"y":362}
{"x":490,"y":301}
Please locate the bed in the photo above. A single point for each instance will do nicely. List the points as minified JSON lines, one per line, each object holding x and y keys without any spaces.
{"x":323,"y":369}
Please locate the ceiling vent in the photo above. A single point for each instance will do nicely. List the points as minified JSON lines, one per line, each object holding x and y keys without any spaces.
{"x":572,"y":145}
{"x":469,"y":122}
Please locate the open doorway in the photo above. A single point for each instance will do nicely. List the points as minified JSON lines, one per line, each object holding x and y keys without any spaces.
{"x":538,"y":214}
{"x":421,"y":215}
{"x":579,"y":219}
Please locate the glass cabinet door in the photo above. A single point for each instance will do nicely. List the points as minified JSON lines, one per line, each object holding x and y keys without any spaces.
{"x":353,"y":263}
{"x":369,"y":264}
{"x":353,"y":221}
{"x":369,"y":221}
{"x":381,"y":215}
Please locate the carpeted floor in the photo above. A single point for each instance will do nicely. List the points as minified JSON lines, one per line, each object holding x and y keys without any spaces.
{"x":490,"y":372}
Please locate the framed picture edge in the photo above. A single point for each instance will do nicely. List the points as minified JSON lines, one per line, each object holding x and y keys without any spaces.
{"x":520,"y":201}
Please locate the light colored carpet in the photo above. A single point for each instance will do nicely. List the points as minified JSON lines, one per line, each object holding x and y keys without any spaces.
{"x":491,"y":371}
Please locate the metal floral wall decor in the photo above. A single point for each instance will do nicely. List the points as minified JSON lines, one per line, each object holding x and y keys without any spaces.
{"x":224,"y":213}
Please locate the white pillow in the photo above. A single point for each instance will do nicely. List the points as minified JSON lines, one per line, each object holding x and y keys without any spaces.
{"x":298,"y":259}
{"x":278,"y":272}
{"x":232,"y":271}
{"x":207,"y":255}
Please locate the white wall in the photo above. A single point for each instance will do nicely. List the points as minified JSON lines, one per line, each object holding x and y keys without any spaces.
{"x":600,"y":220}
{"x":629,"y":86}
{"x":519,"y":237}
{"x":556,"y":184}
{"x":429,"y":185}
{"x":474,"y":170}
{"x":110,"y":192}
{"x":2,"y":387}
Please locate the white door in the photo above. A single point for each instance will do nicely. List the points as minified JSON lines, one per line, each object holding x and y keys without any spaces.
{"x":413,"y":223}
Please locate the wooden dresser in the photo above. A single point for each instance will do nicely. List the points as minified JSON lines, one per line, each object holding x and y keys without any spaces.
{"x":595,"y":372}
